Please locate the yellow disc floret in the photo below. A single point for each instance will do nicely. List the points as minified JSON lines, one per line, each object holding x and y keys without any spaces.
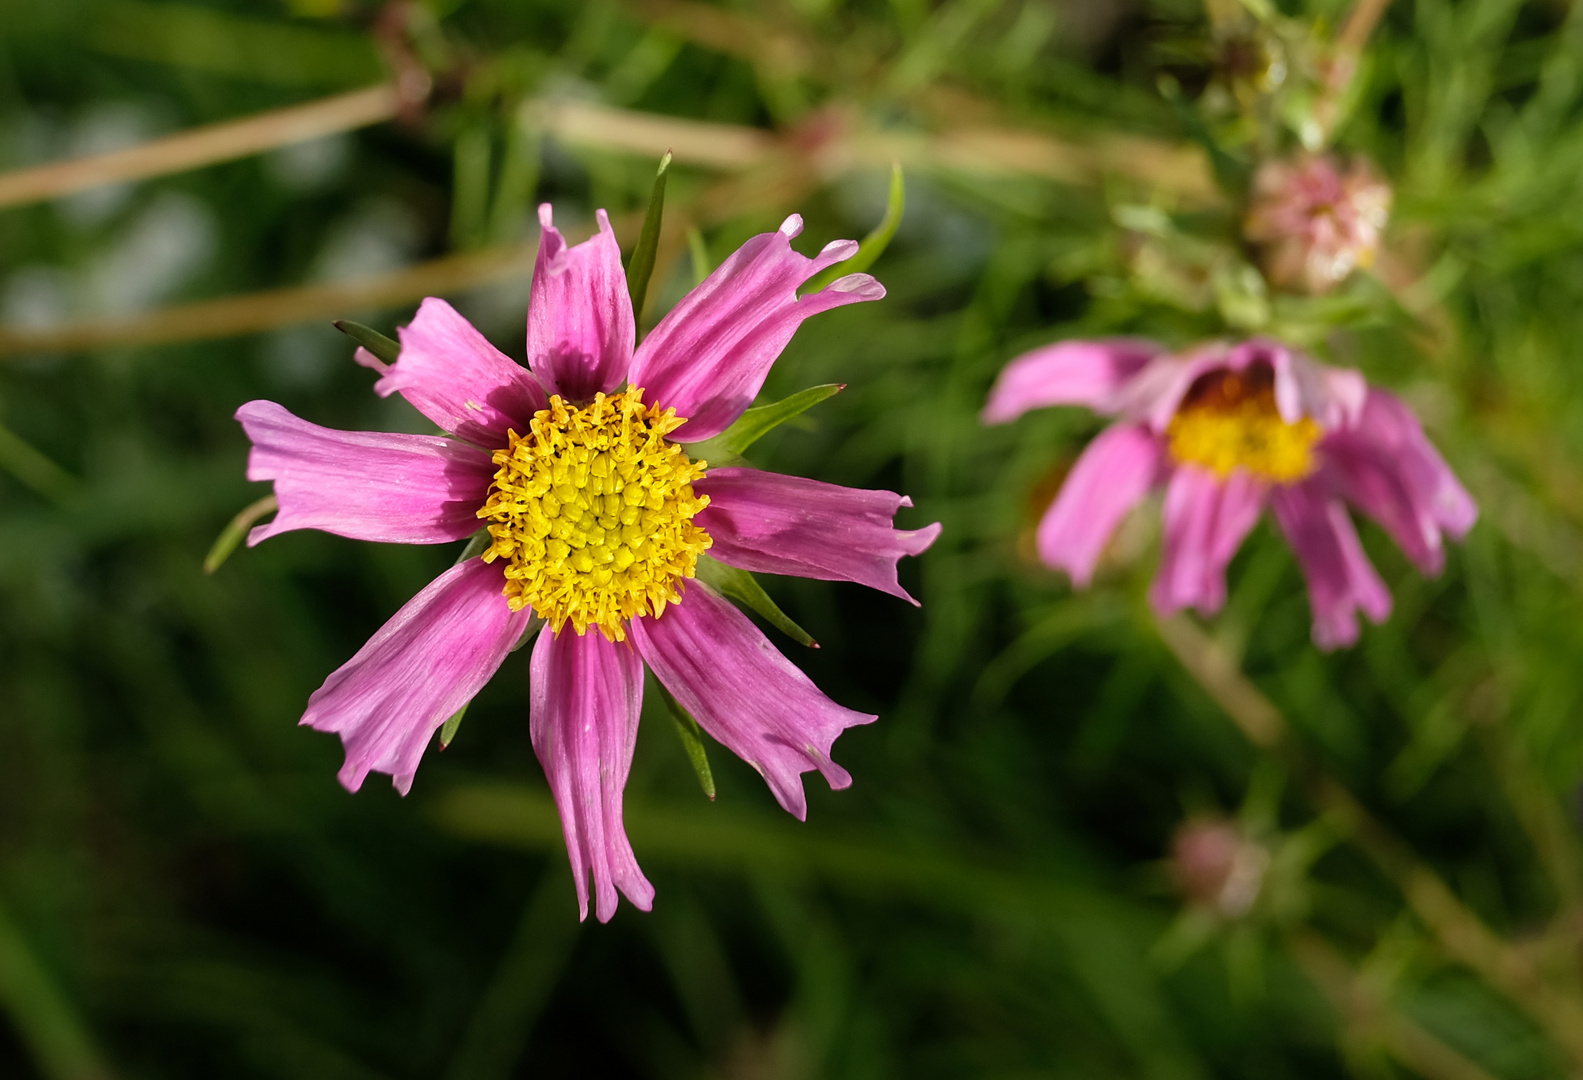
{"x":592,"y":511}
{"x":1229,"y":421}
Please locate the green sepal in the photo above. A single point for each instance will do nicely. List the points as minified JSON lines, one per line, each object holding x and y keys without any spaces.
{"x":641,"y":266}
{"x":448,"y":732}
{"x":744,"y":588}
{"x":381,"y":346}
{"x":231,"y":536}
{"x":874,"y":244}
{"x":476,"y":545}
{"x":692,"y":738}
{"x":728,"y":447}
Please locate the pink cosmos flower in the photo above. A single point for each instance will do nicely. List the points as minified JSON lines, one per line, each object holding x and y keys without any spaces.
{"x":1315,"y":222}
{"x":1228,"y":430}
{"x":596,"y":518}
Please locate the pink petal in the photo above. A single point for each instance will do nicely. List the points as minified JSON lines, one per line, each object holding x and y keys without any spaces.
{"x":456,"y":378}
{"x":580,"y":326}
{"x":368,"y":485}
{"x":1341,"y":581}
{"x":1206,"y":520}
{"x":1333,"y":397}
{"x":1067,"y":373}
{"x":787,"y":525}
{"x":709,"y":356}
{"x":424,"y":664}
{"x":1110,"y":478}
{"x":587,"y":693}
{"x":1388,"y":469}
{"x":744,"y":693}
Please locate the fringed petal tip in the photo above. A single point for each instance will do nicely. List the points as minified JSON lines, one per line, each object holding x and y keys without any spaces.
{"x":364,"y":485}
{"x":791,"y":228}
{"x":581,"y":330}
{"x":423,"y":665}
{"x":363,"y":358}
{"x":745,"y":694}
{"x":780,"y":524}
{"x":587,"y":693}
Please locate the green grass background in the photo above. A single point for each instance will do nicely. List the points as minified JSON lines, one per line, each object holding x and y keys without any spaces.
{"x":186,"y":892}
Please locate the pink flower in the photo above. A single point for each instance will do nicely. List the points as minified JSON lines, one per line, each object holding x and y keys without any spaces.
{"x":1228,"y":430}
{"x":596,"y":517}
{"x":1315,"y":223}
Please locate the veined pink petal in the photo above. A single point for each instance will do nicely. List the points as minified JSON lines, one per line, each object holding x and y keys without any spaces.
{"x":1116,"y":471}
{"x":1341,"y":580}
{"x":1087,"y":373}
{"x":1386,"y":466}
{"x":1206,"y":520}
{"x":580,"y":326}
{"x":416,"y":671}
{"x":787,"y":525}
{"x":709,"y":356}
{"x":455,"y":377}
{"x":587,"y":693}
{"x":368,"y":485}
{"x":744,"y":693}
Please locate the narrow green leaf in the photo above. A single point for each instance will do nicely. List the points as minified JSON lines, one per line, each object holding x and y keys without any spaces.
{"x":875,"y":243}
{"x":448,"y":732}
{"x":729,"y":446}
{"x":641,"y":265}
{"x":743,"y":587}
{"x":692,"y":740}
{"x":476,"y":545}
{"x":699,"y":251}
{"x":35,"y":469}
{"x":232,"y":534}
{"x":381,"y":346}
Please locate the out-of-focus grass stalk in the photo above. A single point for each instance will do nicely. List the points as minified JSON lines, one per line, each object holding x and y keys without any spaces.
{"x":1361,"y":21}
{"x":1461,"y":934}
{"x":1370,"y":1017}
{"x":203,"y":146}
{"x":34,"y":469}
{"x":56,"y":1037}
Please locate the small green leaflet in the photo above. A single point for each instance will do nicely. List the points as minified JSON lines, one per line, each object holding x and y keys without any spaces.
{"x":372,"y":340}
{"x":728,"y":447}
{"x":448,"y":732}
{"x":874,"y":244}
{"x":744,"y":588}
{"x":692,"y":737}
{"x":641,"y":266}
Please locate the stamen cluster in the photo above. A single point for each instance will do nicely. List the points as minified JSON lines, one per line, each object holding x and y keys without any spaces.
{"x":1229,"y":421}
{"x":592,"y":510}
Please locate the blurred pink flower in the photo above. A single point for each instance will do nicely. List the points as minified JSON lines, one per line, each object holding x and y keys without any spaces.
{"x":1215,"y":865}
{"x":1314,"y":223}
{"x":596,"y":517}
{"x":1228,"y":430}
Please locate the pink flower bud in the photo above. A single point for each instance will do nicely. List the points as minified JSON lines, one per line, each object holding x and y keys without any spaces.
{"x":1315,"y":223}
{"x":1217,"y":866}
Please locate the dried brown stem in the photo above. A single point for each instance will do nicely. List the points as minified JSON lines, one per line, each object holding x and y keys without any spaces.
{"x":203,"y":146}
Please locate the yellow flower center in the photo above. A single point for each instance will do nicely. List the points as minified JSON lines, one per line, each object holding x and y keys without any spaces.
{"x":1229,"y":421}
{"x":592,"y":511}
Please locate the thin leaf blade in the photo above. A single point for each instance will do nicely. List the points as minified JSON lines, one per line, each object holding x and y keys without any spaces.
{"x":743,"y":587}
{"x":641,"y":266}
{"x":874,"y":244}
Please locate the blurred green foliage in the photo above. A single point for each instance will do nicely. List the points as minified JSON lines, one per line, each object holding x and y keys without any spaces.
{"x":185,"y":891}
